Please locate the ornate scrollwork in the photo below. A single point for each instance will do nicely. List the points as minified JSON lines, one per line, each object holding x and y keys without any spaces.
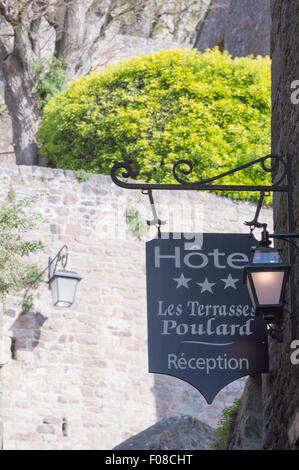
{"x":62,"y":256}
{"x":176,"y":167}
{"x":262,"y":161}
{"x":185,"y":167}
{"x":126,"y":173}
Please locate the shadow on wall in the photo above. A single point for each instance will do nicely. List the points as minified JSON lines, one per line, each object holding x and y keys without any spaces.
{"x":175,"y":397}
{"x":26,"y":332}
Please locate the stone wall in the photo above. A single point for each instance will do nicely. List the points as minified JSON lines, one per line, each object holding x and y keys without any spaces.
{"x":77,"y":378}
{"x":123,"y":46}
{"x":280,"y":387}
{"x":241,"y":27}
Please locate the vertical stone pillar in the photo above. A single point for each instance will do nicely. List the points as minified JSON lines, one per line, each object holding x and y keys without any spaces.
{"x":279,"y":396}
{"x":248,"y":429}
{"x":280,"y":386}
{"x":1,"y":348}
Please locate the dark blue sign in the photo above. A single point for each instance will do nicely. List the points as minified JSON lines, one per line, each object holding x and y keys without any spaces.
{"x":201,"y":326}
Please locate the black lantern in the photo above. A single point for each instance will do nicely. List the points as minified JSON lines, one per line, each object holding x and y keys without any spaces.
{"x":62,"y":283}
{"x":266,"y":276}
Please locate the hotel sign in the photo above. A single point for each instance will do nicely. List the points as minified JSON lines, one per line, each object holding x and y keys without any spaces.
{"x":201,"y":326}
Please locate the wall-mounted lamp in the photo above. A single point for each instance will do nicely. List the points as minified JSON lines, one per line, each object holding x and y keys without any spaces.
{"x":62,"y":283}
{"x":265,"y":277}
{"x":267,"y":272}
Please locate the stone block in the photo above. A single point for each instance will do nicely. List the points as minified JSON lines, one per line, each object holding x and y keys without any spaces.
{"x":70,"y":198}
{"x":45,"y":429}
{"x":176,"y":433}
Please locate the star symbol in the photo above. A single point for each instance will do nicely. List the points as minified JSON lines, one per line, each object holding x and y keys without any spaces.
{"x":182,"y":281}
{"x":230,"y":282}
{"x":206,"y":286}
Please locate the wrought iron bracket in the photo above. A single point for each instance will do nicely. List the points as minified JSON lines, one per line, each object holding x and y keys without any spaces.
{"x":155,"y":220}
{"x":183,"y":168}
{"x":62,"y":257}
{"x":202,"y":185}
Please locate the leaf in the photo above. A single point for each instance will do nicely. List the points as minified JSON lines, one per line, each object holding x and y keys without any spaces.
{"x":155,"y":109}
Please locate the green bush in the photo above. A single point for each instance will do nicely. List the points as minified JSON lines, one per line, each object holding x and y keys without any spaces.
{"x":224,"y":429}
{"x":152,"y":110}
{"x":16,"y":273}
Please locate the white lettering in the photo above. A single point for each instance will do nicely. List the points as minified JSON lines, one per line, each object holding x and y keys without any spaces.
{"x":234,"y":258}
{"x":198,"y":260}
{"x":204,"y":260}
{"x":295,"y":354}
{"x":207,"y":364}
{"x":170,"y":310}
{"x":176,"y":257}
{"x":222,"y":329}
{"x":295,"y":94}
{"x":215,"y":254}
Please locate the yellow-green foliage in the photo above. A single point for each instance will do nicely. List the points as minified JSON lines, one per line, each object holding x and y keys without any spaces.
{"x":153,"y":110}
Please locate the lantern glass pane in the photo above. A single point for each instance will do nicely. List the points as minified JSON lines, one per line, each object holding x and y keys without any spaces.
{"x":268,"y":286}
{"x":250,"y":292}
{"x":263,"y":256}
{"x":67,"y":289}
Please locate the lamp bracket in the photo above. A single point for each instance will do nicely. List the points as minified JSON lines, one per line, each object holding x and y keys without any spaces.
{"x":284,"y":235}
{"x":279,"y":236}
{"x":62,"y":257}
